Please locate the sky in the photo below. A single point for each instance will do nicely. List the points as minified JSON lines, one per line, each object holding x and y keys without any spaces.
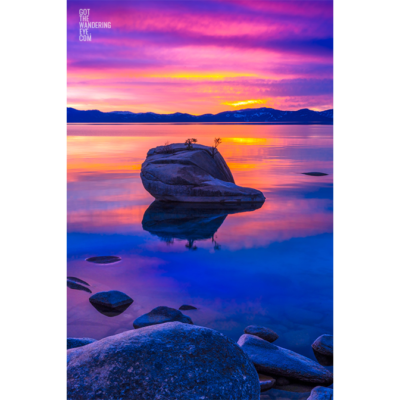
{"x":200,"y":57}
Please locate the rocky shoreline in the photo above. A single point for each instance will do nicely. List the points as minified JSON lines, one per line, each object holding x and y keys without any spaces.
{"x":166,"y":356}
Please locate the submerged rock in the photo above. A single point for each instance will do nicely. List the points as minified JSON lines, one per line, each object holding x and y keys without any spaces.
{"x":111,"y":299}
{"x":72,"y":343}
{"x":104,"y":259}
{"x":186,"y":307}
{"x":324,"y":345}
{"x":170,"y":361}
{"x":321,"y":393}
{"x":161,"y":315}
{"x":175,"y":173}
{"x":274,"y":360}
{"x":77,"y":286}
{"x":264,"y":333}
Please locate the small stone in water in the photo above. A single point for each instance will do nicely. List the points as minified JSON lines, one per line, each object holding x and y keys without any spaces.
{"x":314,"y":173}
{"x":104,"y":259}
{"x":187,"y":307}
{"x":72,"y":278}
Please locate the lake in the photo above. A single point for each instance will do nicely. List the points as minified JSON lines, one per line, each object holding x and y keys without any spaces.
{"x":271,"y":266}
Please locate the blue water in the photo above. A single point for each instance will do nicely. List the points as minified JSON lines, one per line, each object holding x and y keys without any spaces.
{"x":272,"y":266}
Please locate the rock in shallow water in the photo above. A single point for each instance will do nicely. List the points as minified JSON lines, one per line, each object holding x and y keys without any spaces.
{"x":314,"y":173}
{"x":264,"y":333}
{"x":170,"y":361}
{"x":111,"y":299}
{"x":104,"y":259}
{"x":187,"y":307}
{"x":324,"y":345}
{"x":161,"y":315}
{"x":72,"y":343}
{"x":321,"y":393}
{"x":174,"y":173}
{"x":72,"y":278}
{"x":77,"y":286}
{"x":274,"y":360}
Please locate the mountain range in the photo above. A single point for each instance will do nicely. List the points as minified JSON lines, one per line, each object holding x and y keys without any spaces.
{"x":256,"y":115}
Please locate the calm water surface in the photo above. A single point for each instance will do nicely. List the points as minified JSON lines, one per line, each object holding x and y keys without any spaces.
{"x":272,"y":266}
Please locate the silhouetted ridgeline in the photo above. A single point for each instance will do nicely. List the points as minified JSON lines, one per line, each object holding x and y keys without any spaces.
{"x":260,"y":115}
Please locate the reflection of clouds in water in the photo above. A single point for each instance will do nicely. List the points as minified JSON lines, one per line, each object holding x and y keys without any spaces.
{"x":274,"y":267}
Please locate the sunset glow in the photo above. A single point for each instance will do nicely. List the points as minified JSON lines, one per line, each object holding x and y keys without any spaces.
{"x":201,"y":57}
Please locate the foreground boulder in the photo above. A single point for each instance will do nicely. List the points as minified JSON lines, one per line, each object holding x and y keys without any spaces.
{"x":176,"y":173}
{"x":161,"y":315}
{"x":111,"y":299}
{"x":324,"y":345}
{"x":170,"y":361}
{"x":321,"y":393}
{"x":264,"y":333}
{"x":274,"y":360}
{"x":78,"y":342}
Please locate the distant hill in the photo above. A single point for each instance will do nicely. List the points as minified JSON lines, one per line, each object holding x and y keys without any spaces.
{"x":257,"y":115}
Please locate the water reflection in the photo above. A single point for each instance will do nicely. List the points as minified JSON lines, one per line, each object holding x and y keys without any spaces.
{"x":110,"y":311}
{"x":275,"y":265}
{"x":190,"y":221}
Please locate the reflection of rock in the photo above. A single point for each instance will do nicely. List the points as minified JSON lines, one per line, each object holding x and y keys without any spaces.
{"x":170,"y":361}
{"x":321,"y":393}
{"x":264,"y":333}
{"x":72,"y":343}
{"x":186,"y":307}
{"x":110,"y":303}
{"x":274,"y":360}
{"x":72,"y":278}
{"x":189,"y":221}
{"x":161,"y":315}
{"x":77,"y":286}
{"x":104,"y":259}
{"x":110,"y":312}
{"x":175,"y":173}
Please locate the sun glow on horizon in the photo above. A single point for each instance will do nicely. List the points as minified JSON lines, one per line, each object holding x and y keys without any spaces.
{"x":244,"y":102}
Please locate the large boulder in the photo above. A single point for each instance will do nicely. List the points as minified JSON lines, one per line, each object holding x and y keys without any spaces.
{"x":78,"y":342}
{"x":324,"y":345}
{"x":264,"y":333}
{"x":277,"y":361}
{"x":321,"y":393}
{"x":170,"y":361}
{"x":176,"y":173}
{"x":161,"y":315}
